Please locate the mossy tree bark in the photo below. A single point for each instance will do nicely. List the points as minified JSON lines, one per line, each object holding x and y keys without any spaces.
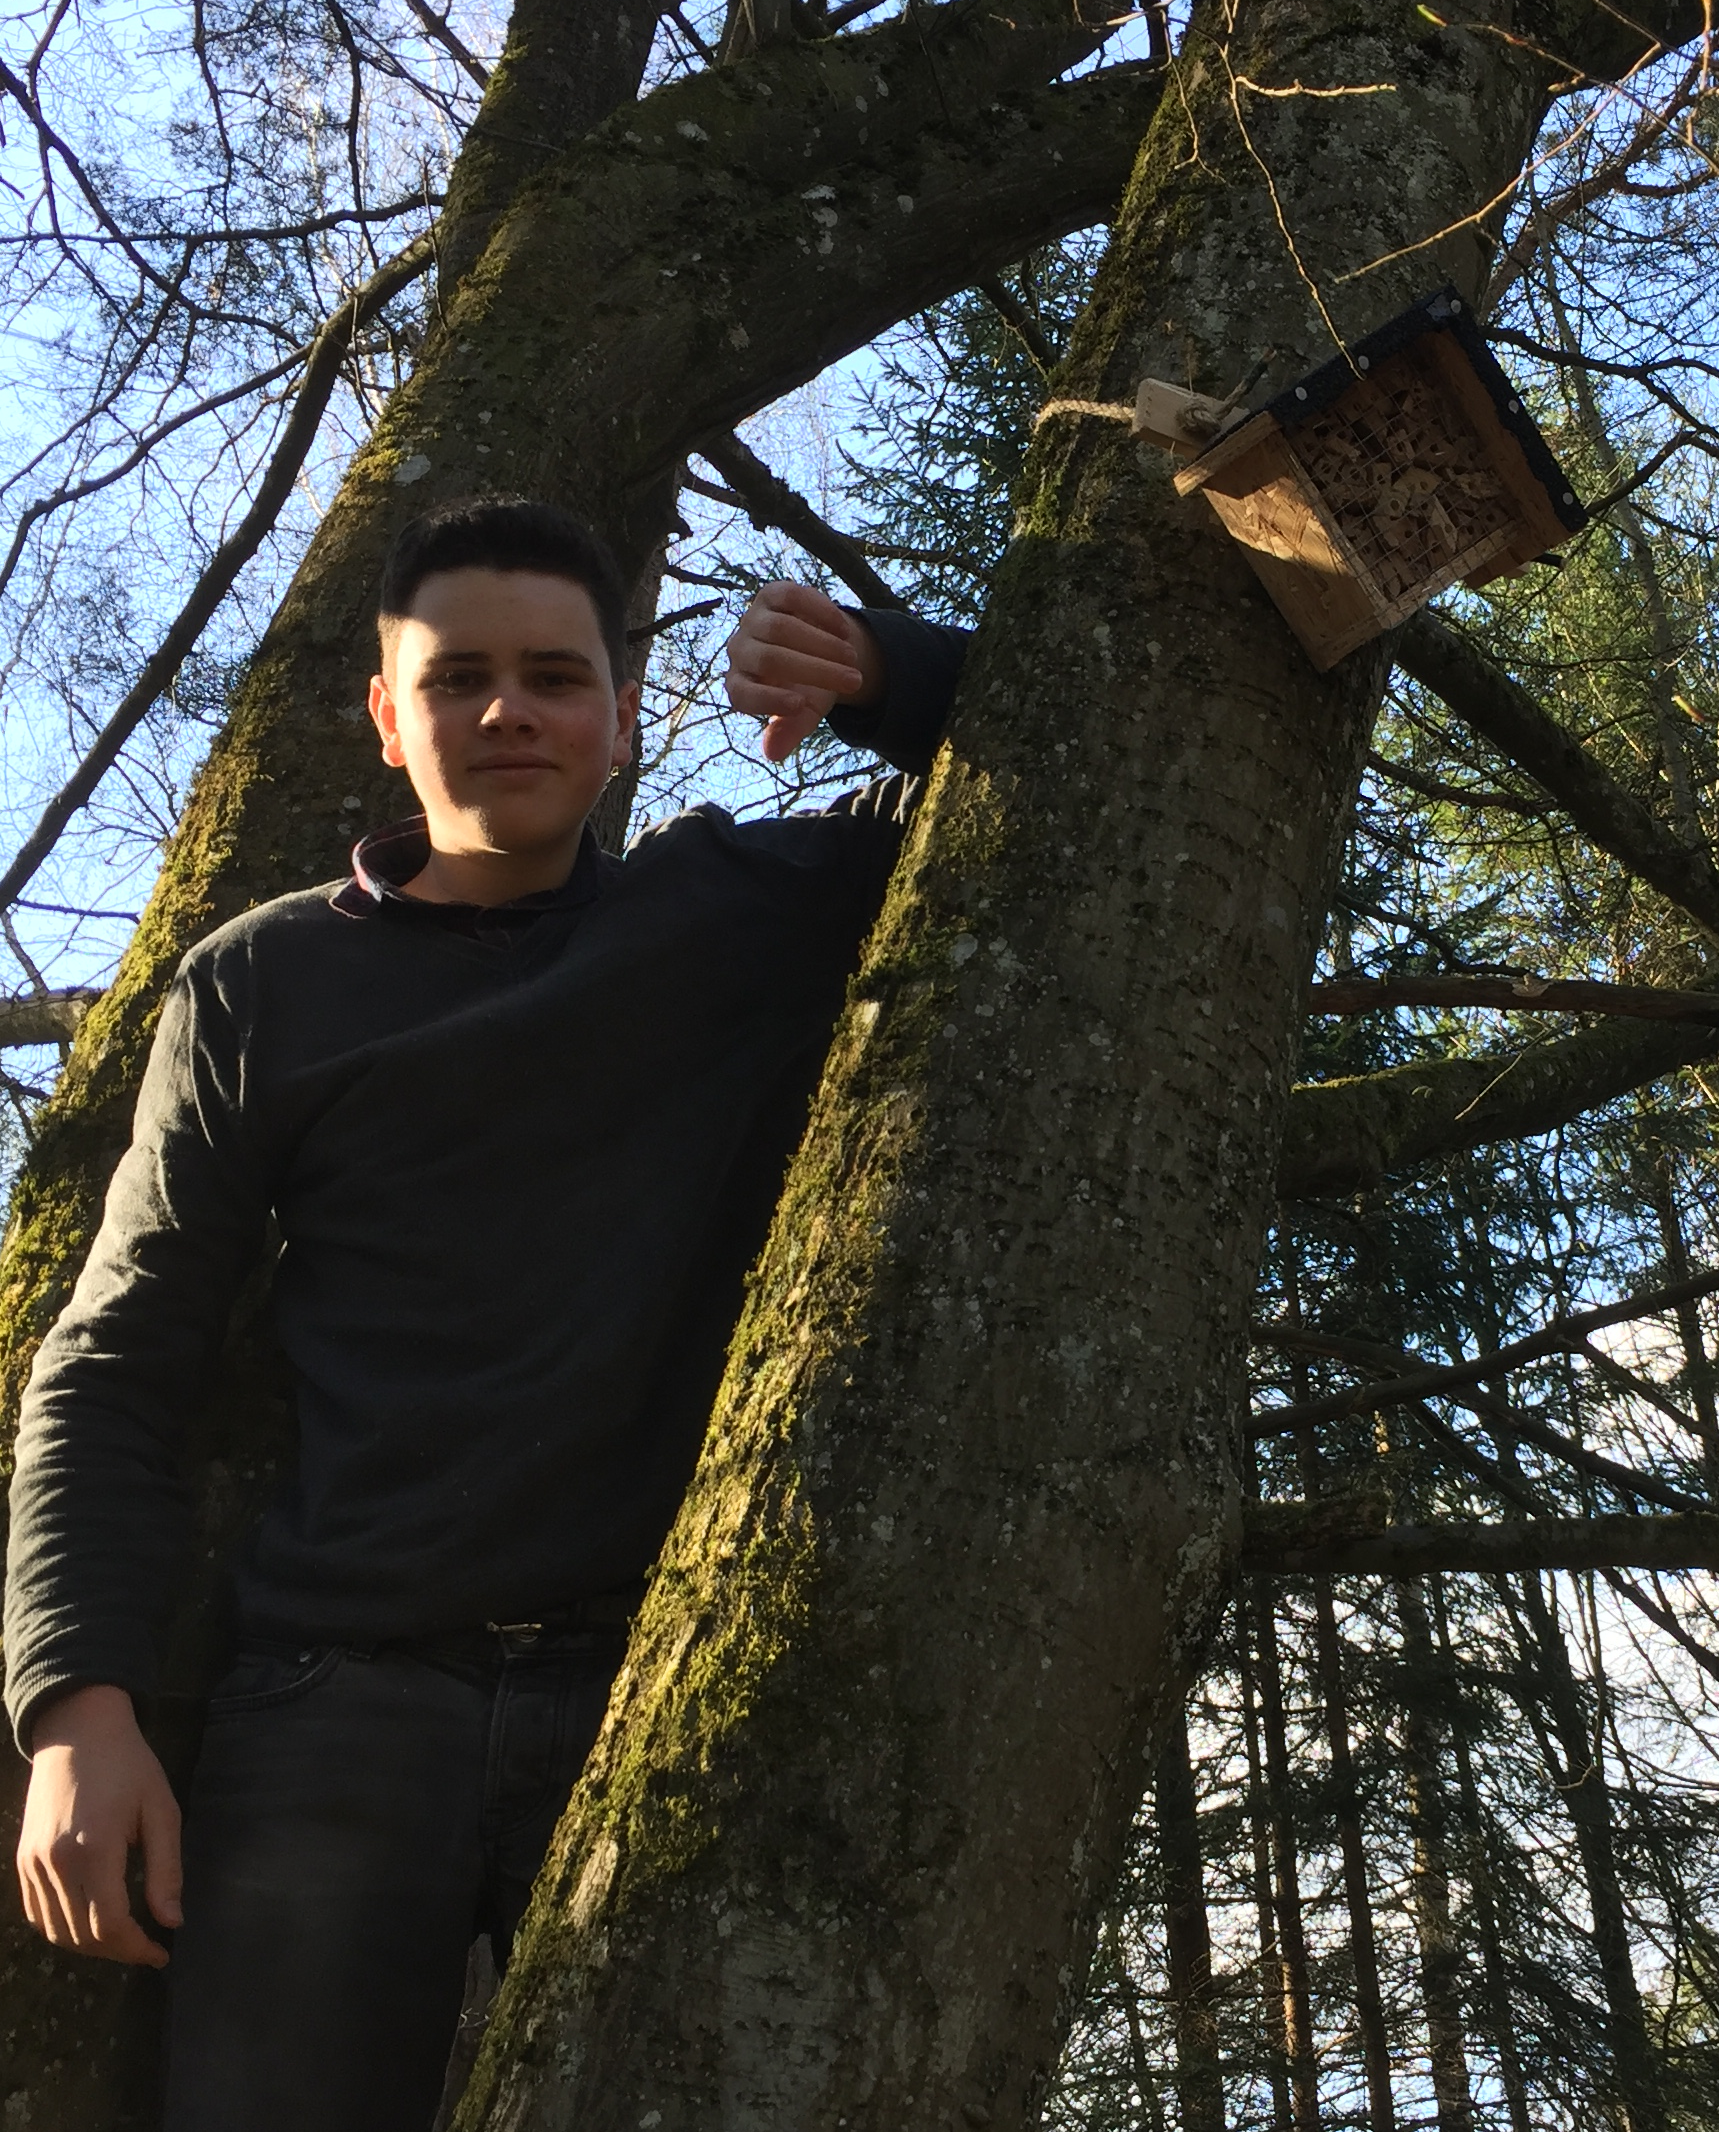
{"x":969,"y":1499}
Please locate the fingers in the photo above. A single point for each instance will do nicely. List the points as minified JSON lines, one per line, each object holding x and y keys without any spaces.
{"x":784,"y":733}
{"x":95,"y":1790}
{"x":43,"y":1908}
{"x":791,"y":658}
{"x":162,"y":1878}
{"x":81,"y":1904}
{"x":111,"y":1931}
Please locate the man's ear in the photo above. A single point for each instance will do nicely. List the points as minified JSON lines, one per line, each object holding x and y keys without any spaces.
{"x":386,"y":721}
{"x":626,"y":724}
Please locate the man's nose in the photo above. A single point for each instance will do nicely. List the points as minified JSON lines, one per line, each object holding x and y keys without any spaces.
{"x":510,"y":707}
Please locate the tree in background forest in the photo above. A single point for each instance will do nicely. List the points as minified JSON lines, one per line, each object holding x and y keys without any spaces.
{"x":1434,"y":1838}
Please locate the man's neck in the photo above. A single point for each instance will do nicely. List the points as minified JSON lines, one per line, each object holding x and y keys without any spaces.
{"x":490,"y":877}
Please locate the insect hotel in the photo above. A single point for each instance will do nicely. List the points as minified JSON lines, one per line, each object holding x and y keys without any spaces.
{"x":1397,"y":469}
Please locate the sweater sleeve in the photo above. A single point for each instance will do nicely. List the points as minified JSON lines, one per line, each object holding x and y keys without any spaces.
{"x":922,"y":664}
{"x":99,"y":1503}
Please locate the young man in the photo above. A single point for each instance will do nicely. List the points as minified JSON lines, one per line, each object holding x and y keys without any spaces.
{"x":519,"y":1112}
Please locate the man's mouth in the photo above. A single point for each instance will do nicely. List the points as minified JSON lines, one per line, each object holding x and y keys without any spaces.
{"x":514,"y":762}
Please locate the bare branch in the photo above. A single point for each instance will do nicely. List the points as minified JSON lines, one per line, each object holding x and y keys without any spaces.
{"x":450,"y":41}
{"x":260,"y":233}
{"x":1015,"y":314}
{"x":769,"y":501}
{"x":1702,"y":440}
{"x":59,"y":499}
{"x":704,"y":51}
{"x":321,"y":372}
{"x":1564,"y":1335}
{"x":1504,"y":1421}
{"x":1538,"y":228}
{"x":1436,"y":788}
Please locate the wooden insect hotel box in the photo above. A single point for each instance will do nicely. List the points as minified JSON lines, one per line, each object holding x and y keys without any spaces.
{"x":1397,"y":469}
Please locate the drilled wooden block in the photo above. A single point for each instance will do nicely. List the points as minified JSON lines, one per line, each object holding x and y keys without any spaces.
{"x":1404,"y":466}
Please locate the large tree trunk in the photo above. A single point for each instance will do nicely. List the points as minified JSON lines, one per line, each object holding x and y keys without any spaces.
{"x":969,"y":1502}
{"x":967,"y":125}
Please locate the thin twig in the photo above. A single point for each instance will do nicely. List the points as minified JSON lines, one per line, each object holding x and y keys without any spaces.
{"x":297,"y":436}
{"x":1564,"y":1335}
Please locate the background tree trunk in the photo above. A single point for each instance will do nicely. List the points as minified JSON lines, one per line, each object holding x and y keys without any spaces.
{"x":1297,"y":1987}
{"x":1193,"y":1998}
{"x":1441,"y":1958}
{"x":1477,"y":1859}
{"x":1638,"y":2096}
{"x":1274,"y":1976}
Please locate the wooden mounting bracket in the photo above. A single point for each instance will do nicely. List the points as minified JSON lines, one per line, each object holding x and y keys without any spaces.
{"x":1175,"y":419}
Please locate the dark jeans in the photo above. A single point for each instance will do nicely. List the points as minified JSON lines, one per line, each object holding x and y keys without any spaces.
{"x":355,"y":1822}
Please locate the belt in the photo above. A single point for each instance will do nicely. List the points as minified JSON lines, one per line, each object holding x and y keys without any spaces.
{"x":485,"y":1647}
{"x":495,"y":1640}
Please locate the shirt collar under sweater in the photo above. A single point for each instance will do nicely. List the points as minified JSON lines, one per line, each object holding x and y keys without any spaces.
{"x":385,"y":860}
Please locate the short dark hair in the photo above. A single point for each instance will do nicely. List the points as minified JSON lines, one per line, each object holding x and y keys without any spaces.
{"x":506,"y":533}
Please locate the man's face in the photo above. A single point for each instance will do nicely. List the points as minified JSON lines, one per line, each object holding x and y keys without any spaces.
{"x":497,"y":700}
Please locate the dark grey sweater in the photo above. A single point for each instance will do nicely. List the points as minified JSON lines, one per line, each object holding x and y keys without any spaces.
{"x":519,"y":1170}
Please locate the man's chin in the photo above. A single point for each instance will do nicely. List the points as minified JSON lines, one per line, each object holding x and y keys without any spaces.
{"x":524,"y":833}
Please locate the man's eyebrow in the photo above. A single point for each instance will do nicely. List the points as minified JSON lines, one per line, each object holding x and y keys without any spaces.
{"x":570,"y":655}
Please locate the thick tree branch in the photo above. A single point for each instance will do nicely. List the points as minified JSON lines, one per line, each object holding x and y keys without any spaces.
{"x":563,"y":69}
{"x":1483,"y":696}
{"x":1519,"y":995}
{"x":321,"y":372}
{"x":769,"y":501}
{"x":44,"y":1017}
{"x":1344,"y":1136}
{"x":1286,"y":1539}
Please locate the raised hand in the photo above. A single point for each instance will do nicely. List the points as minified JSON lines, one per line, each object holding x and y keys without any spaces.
{"x":795,"y":654}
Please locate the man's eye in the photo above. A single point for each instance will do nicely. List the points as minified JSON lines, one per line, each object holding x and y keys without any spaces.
{"x":456,"y":680}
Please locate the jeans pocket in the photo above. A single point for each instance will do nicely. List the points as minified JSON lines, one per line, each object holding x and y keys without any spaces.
{"x":259,"y":1679}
